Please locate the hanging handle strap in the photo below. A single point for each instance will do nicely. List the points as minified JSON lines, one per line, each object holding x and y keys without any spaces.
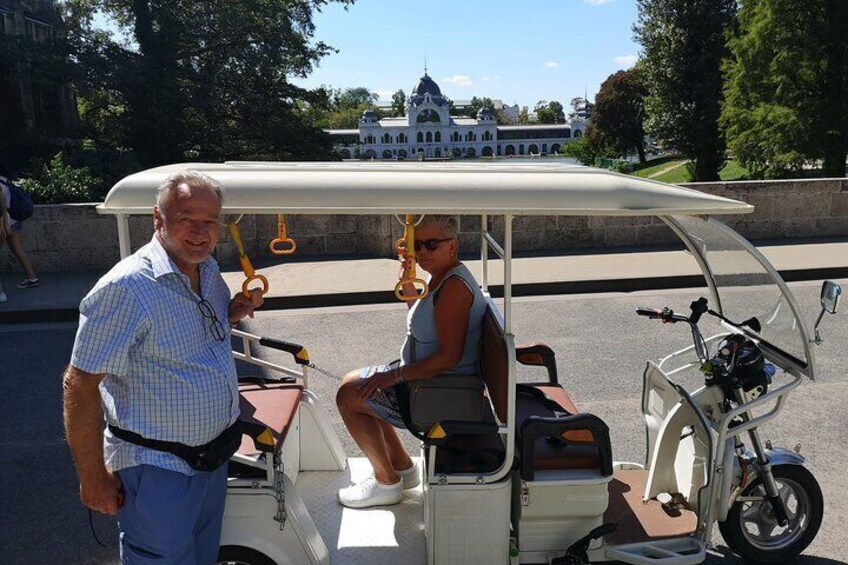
{"x":246,"y":266}
{"x":406,"y":246}
{"x":283,"y":244}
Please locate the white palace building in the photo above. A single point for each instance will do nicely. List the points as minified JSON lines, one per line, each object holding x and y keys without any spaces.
{"x":428,"y":131}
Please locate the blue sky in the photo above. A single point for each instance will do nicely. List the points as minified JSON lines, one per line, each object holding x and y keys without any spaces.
{"x":520,"y":52}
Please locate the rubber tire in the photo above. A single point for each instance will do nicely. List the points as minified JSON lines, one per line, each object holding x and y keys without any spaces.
{"x":731,"y":529}
{"x":242,"y":556}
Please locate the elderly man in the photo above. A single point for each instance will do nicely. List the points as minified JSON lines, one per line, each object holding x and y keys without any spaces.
{"x":153,"y":353}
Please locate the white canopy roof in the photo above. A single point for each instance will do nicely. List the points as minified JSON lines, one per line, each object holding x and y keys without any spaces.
{"x":498,"y":187}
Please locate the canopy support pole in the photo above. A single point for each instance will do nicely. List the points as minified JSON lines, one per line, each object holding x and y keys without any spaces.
{"x":484,"y":252}
{"x":123,"y":235}
{"x":507,"y":273}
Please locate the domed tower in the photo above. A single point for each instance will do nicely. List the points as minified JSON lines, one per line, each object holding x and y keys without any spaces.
{"x":485,"y":115}
{"x":426,"y":104}
{"x":369,"y":116}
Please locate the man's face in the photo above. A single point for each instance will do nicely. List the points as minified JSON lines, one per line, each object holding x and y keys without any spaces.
{"x":187,"y":224}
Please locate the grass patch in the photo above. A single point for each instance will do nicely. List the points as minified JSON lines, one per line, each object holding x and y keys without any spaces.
{"x":733,"y":170}
{"x":652,"y":164}
{"x":676,"y":176}
{"x":653,"y":169}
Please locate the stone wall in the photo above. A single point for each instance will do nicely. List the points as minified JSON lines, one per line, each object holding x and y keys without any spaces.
{"x":74,"y":237}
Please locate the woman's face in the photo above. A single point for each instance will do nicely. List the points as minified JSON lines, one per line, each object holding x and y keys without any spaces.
{"x":442,"y":257}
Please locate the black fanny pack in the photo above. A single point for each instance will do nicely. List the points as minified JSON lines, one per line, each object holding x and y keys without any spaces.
{"x":207,"y":457}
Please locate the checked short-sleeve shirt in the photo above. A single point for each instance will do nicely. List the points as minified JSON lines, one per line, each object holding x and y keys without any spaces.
{"x":167,"y":378}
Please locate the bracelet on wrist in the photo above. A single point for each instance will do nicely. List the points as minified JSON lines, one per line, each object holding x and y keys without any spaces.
{"x":399,"y":374}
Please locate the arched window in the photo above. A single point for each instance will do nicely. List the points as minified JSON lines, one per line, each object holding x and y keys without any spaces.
{"x":429,"y":137}
{"x":420,"y":137}
{"x":578,"y":133}
{"x":387,"y":138}
{"x":438,"y":137}
{"x":456,"y":136}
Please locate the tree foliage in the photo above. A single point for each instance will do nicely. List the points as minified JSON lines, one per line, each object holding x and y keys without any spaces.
{"x":580,"y":150}
{"x":617,"y":127}
{"x":199,"y":79}
{"x":549,"y":112}
{"x":787,"y":86}
{"x":524,"y":115}
{"x":399,"y":103}
{"x":45,"y":68}
{"x":684,"y":42}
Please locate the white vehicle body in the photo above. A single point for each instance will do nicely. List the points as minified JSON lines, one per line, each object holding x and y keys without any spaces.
{"x":475,"y":517}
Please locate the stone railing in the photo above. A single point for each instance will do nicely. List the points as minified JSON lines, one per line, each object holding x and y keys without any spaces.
{"x":73,"y":237}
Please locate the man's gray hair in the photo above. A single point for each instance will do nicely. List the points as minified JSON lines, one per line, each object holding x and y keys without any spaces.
{"x":193,"y":179}
{"x":447,"y":223}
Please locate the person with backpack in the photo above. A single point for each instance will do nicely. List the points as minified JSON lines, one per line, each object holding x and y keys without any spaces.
{"x":15,"y":207}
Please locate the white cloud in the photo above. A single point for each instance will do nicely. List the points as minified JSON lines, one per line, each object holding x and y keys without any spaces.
{"x":384,"y":94}
{"x":597,"y":2}
{"x":552,"y":64}
{"x":459,"y":80}
{"x":625,"y":61}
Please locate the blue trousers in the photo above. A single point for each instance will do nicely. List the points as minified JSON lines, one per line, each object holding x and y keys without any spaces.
{"x":171,"y":518}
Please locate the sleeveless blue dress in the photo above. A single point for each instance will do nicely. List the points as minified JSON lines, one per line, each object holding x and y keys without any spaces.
{"x":422,"y":340}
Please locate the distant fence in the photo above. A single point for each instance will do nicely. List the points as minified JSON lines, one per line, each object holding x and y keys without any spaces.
{"x":73,"y":237}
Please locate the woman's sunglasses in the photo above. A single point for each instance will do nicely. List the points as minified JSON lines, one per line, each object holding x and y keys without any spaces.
{"x":430,"y":244}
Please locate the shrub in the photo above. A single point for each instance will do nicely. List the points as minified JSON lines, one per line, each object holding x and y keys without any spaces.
{"x":55,"y":182}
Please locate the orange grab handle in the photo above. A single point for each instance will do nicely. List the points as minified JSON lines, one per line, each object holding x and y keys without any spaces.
{"x":246,"y":266}
{"x":407,"y":245}
{"x":278,"y":245}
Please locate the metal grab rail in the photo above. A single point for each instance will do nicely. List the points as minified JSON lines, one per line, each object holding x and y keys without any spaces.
{"x":247,"y":356}
{"x":778,"y":396}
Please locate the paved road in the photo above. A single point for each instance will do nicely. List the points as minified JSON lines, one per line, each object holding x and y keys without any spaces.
{"x":601,"y":349}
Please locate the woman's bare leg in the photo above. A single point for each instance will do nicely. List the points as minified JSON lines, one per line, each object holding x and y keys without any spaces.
{"x":364,"y":426}
{"x":401,"y":461}
{"x":16,"y":244}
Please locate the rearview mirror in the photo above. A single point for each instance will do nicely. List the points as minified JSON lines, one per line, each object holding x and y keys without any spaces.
{"x":830,"y":294}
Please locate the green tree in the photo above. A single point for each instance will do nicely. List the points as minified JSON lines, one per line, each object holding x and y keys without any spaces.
{"x":201,"y":79}
{"x":524,"y":115}
{"x":399,"y":103}
{"x":359,"y":97}
{"x":617,"y":126}
{"x":684,"y":42}
{"x":549,"y":112}
{"x":44,"y":68}
{"x":580,"y":150}
{"x":787,"y":86}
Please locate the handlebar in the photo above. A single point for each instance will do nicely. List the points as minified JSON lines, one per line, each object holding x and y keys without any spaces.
{"x":667,"y":316}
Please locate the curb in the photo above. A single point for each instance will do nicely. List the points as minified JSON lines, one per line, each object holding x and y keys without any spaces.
{"x":60,"y":315}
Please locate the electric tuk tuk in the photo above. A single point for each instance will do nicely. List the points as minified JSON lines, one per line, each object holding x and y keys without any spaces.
{"x":549,"y":489}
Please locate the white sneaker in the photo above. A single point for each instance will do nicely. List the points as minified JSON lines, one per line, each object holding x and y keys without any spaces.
{"x":370,"y":492}
{"x":3,"y":297}
{"x":411,"y":477}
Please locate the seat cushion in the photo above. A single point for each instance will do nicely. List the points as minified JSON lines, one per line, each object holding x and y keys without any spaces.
{"x":273,"y":405}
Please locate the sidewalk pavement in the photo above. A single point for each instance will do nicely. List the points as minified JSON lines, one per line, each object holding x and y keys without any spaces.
{"x":370,"y":281}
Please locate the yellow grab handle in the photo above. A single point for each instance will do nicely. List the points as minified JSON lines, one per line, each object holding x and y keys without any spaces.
{"x":416,"y":283}
{"x":410,"y":275}
{"x":246,"y":266}
{"x":282,"y":239}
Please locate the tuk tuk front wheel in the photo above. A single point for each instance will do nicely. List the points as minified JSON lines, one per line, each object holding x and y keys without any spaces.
{"x":236,"y":555}
{"x":751,"y":529}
